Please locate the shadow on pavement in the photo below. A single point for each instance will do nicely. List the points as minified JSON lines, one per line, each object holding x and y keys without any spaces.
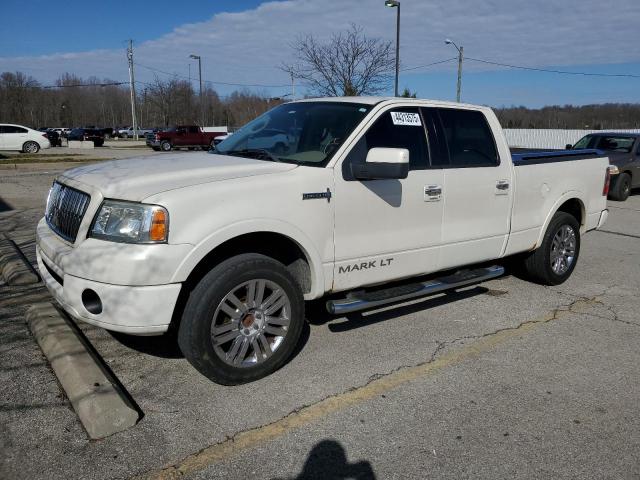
{"x":328,"y":461}
{"x":163,"y":346}
{"x":318,"y":316}
{"x":4,"y":206}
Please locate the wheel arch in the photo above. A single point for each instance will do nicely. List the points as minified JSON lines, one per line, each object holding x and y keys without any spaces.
{"x":303,"y":263}
{"x":571,"y":203}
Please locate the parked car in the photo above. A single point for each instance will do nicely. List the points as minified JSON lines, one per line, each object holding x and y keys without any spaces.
{"x":129,"y":132}
{"x":54,"y":137}
{"x":623,"y":150}
{"x":220,"y":138}
{"x":22,"y":139}
{"x":87,"y":135}
{"x":225,"y":247}
{"x":183,"y":136}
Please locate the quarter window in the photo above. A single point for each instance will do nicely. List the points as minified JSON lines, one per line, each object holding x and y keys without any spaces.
{"x":469,"y":138}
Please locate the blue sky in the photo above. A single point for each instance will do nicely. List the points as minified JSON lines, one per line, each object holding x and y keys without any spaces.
{"x":244,"y":41}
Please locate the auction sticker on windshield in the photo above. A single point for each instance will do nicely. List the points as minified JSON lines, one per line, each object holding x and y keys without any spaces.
{"x":404,"y":118}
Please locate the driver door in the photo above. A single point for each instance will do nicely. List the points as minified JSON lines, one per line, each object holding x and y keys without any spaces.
{"x":392,"y":228}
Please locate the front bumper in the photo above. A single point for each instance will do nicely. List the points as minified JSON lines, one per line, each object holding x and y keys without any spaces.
{"x":138,"y":310}
{"x":153,"y":143}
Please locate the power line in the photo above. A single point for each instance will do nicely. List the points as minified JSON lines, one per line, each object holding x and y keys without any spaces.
{"x":563,"y":72}
{"x":79,"y":85}
{"x":212,"y":81}
{"x":428,"y":64}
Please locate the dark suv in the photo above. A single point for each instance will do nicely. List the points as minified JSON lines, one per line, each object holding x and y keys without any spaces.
{"x":87,"y":135}
{"x":623,"y":150}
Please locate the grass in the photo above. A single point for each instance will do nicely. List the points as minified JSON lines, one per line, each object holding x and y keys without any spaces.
{"x":24,"y":159}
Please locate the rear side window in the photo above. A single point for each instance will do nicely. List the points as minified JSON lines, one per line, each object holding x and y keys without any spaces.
{"x":468,"y":138}
{"x":12,"y":129}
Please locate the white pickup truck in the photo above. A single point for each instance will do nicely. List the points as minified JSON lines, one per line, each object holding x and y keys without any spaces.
{"x":367,"y":197}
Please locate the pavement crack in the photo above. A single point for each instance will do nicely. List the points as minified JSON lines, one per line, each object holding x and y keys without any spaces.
{"x":375,"y":386}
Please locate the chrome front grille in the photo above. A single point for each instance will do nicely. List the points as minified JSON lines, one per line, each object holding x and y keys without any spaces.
{"x":66,"y":207}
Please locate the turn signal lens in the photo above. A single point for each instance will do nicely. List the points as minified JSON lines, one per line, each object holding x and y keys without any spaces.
{"x":158,"y":230}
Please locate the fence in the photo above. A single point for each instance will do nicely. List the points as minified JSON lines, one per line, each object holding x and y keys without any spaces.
{"x":549,"y":138}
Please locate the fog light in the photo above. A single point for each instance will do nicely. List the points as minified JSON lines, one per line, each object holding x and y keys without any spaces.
{"x":91,"y":301}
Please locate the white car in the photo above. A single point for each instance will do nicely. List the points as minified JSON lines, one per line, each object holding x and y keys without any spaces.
{"x":22,"y":139}
{"x":225,"y":247}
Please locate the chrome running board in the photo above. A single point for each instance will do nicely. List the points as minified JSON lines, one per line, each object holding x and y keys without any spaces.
{"x":364,"y":300}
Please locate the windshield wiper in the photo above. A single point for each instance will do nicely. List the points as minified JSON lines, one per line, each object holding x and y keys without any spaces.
{"x":257,"y":153}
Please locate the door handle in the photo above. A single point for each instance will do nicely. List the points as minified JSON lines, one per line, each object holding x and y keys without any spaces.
{"x":432,"y":193}
{"x":502,"y":187}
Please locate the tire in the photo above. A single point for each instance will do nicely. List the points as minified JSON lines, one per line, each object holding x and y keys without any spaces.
{"x":30,"y":147}
{"x":621,"y":188}
{"x":543,"y":265}
{"x":98,"y":143}
{"x":165,"y":146}
{"x":242,"y":326}
{"x":124,"y":135}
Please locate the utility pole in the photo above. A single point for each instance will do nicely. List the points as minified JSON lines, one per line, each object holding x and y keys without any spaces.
{"x":133,"y":90}
{"x":460,"y":57}
{"x":396,"y":4}
{"x":293,"y":87}
{"x":197,"y":57}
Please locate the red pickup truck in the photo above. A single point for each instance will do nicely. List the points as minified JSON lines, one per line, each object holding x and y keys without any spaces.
{"x":182,"y":136}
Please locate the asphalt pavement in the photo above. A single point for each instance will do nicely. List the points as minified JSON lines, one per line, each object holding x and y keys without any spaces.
{"x":507,"y":379}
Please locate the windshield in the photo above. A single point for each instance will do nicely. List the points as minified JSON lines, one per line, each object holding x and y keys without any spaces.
{"x":306,"y":133}
{"x":608,"y":143}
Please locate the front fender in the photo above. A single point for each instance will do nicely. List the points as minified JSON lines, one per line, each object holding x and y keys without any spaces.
{"x":319,"y":278}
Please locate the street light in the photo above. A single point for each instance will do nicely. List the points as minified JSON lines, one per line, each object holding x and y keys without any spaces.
{"x":396,"y":4}
{"x":460,"y":56}
{"x":197,"y":57}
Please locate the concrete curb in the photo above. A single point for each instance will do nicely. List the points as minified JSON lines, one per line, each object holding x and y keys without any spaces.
{"x":103,"y":406}
{"x":14,"y":267}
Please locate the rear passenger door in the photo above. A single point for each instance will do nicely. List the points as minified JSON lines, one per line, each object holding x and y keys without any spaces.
{"x":477,"y":187}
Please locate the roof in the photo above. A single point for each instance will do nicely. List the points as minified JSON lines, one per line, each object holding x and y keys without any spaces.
{"x":376,"y":100}
{"x":618,"y":134}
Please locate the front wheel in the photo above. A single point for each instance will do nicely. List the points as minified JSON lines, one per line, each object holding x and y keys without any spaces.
{"x":30,"y":147}
{"x":165,"y":146}
{"x":243,"y":320}
{"x":553,"y":262}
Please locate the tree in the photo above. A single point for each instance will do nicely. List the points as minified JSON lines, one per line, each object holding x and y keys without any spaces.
{"x":406,"y":93}
{"x":349,"y":64}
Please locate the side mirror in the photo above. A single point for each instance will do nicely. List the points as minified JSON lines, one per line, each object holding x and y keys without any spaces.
{"x":568,"y":147}
{"x":383,"y":163}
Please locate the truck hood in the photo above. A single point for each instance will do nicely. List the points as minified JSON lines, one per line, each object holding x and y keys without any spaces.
{"x":138,"y":178}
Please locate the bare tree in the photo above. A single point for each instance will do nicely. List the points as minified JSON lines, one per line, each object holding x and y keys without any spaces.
{"x":349,"y":64}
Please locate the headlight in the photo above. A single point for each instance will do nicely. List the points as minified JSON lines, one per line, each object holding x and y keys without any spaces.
{"x":131,"y":223}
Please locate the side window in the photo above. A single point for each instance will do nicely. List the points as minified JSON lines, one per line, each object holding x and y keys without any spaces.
{"x":12,"y":129}
{"x":395,"y":128}
{"x":469,"y":138}
{"x":3,"y":129}
{"x":193,"y":130}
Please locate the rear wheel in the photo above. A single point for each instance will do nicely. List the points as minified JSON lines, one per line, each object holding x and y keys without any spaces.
{"x":621,"y":188}
{"x":553,"y":262}
{"x":30,"y":147}
{"x":165,"y":146}
{"x":243,"y":320}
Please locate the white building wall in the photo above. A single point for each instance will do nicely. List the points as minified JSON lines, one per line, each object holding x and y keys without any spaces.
{"x":549,"y":138}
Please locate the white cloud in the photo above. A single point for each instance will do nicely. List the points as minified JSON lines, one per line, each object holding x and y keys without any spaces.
{"x":246,"y":47}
